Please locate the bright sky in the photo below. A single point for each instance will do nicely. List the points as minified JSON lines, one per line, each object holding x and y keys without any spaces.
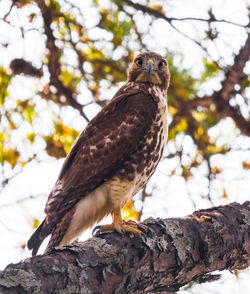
{"x":171,"y":198}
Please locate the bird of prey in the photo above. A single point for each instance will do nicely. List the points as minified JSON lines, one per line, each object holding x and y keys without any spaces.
{"x":112,"y":159}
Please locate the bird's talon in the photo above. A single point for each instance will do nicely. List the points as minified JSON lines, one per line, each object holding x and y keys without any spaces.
{"x":144,"y":237}
{"x":96,"y":231}
{"x":137,"y":226}
{"x":143,"y":229}
{"x":130,"y":226}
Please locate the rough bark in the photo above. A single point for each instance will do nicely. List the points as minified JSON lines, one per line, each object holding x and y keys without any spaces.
{"x":171,"y":253}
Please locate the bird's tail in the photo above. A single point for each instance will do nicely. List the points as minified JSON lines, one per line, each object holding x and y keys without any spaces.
{"x":37,"y":238}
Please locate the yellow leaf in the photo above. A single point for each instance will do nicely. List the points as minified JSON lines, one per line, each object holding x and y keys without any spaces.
{"x":36,"y":223}
{"x":224,"y":194}
{"x":157,"y":7}
{"x":200,"y":131}
{"x":237,"y":273}
{"x":11,"y":156}
{"x":199,"y":116}
{"x":31,"y":137}
{"x":181,"y":127}
{"x":186,"y":173}
{"x":172,"y":110}
{"x":129,"y":212}
{"x":5,"y":79}
{"x":215,"y":170}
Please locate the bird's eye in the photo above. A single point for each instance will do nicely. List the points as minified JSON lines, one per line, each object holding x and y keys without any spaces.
{"x":161,"y":64}
{"x":139,"y":61}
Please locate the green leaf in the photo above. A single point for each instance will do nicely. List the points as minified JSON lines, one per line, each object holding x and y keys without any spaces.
{"x":181,"y":127}
{"x":35,"y":223}
{"x":60,"y":142}
{"x":69,"y":79}
{"x":5,"y":79}
{"x":29,"y":113}
{"x":210,"y":70}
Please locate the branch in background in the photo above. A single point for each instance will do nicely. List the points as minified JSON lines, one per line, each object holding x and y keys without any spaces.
{"x":205,"y":101}
{"x":5,"y":180}
{"x":21,"y":66}
{"x":21,"y":200}
{"x":221,"y":98}
{"x":170,"y":20}
{"x":87,"y":78}
{"x":235,"y":73}
{"x":172,"y":253}
{"x":241,"y":122}
{"x":210,"y":179}
{"x":9,"y":11}
{"x":54,"y":65}
{"x":232,"y":78}
{"x":159,"y":14}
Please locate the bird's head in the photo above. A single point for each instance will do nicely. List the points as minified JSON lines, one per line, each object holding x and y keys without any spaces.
{"x":150,"y":68}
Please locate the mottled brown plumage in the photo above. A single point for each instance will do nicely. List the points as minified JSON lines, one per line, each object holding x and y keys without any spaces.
{"x":112,"y":159}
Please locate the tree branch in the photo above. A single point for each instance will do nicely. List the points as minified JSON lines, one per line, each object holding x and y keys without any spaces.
{"x":53,"y":64}
{"x":172,"y":253}
{"x":221,"y":98}
{"x":159,"y":14}
{"x":232,"y":78}
{"x":235,"y":73}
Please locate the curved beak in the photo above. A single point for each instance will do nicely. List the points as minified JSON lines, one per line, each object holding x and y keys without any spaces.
{"x":149,"y":67}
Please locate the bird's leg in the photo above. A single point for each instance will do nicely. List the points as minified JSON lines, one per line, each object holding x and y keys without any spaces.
{"x":120,"y":225}
{"x":116,"y":224}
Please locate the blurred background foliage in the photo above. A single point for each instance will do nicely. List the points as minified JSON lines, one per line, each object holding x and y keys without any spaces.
{"x":83,"y":59}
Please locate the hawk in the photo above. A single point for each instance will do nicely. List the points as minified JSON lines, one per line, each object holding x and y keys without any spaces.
{"x":112,"y":159}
